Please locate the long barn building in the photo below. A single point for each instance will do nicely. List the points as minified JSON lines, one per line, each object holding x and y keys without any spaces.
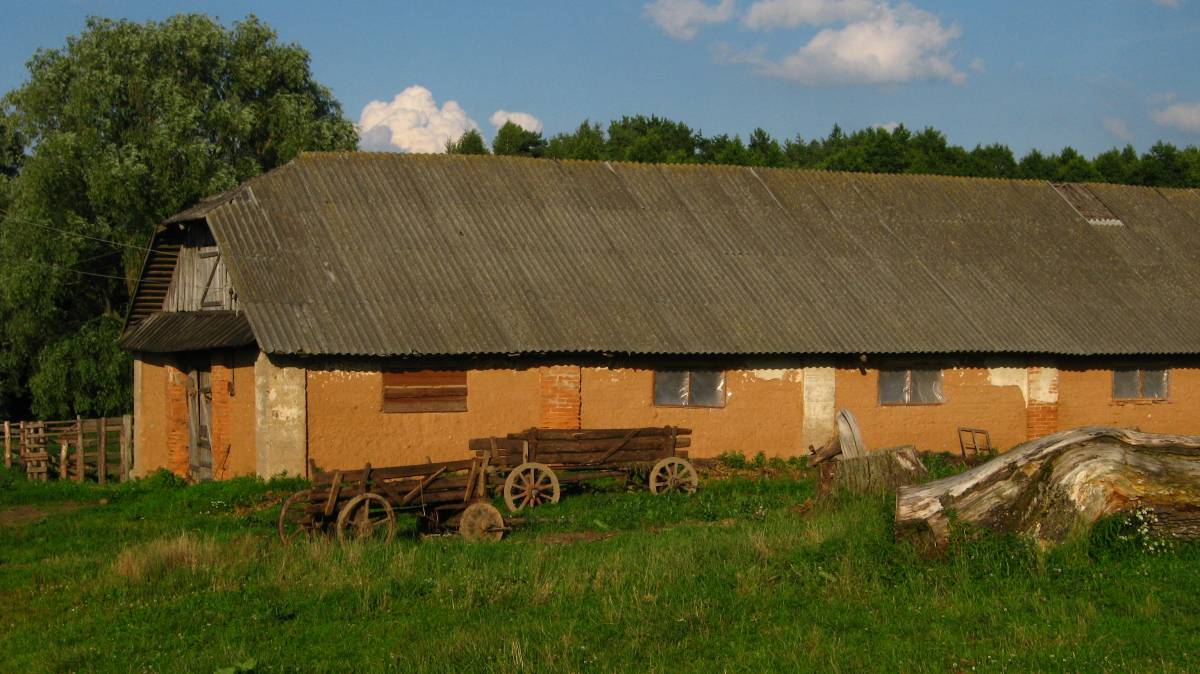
{"x":351,"y":308}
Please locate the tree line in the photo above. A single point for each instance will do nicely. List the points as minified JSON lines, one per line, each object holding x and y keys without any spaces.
{"x":641,"y":138}
{"x":129,"y":123}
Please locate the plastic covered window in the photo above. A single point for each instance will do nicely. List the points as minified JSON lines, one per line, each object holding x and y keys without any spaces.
{"x":911,"y":387}
{"x":689,"y":388}
{"x":1140,"y":384}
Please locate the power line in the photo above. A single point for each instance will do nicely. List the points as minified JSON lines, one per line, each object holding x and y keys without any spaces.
{"x":35,"y":263}
{"x":140,"y":281}
{"x":10,"y":216}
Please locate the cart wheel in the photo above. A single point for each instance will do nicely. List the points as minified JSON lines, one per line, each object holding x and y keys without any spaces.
{"x":481,"y":522}
{"x":673,"y":474}
{"x":294,"y":520}
{"x":366,"y":516}
{"x":530,"y":484}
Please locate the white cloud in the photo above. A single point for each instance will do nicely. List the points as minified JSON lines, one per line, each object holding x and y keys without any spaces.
{"x":890,"y":45}
{"x":681,"y":19}
{"x":1173,"y":4}
{"x":1117,"y":127}
{"x":770,"y":14}
{"x":890,"y":127}
{"x":412,"y":122}
{"x":1182,"y":116}
{"x":522,"y":119}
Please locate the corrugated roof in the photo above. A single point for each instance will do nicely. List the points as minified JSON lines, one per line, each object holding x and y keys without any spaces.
{"x":388,"y":254}
{"x":167,"y":332}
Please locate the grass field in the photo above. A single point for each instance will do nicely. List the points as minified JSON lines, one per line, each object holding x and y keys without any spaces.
{"x":746,"y":575}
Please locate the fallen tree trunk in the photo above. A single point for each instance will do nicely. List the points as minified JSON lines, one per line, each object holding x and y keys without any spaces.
{"x":1044,"y":488}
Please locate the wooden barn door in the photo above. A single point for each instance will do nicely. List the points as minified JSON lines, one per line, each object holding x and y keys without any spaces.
{"x":200,"y":422}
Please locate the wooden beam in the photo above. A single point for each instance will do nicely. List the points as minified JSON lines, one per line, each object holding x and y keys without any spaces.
{"x":7,"y":445}
{"x":126,"y":445}
{"x":80,"y":467}
{"x":102,"y":450}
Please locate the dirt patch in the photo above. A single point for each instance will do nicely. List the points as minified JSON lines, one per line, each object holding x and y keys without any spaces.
{"x":577,"y":537}
{"x":802,"y":508}
{"x":26,"y":514}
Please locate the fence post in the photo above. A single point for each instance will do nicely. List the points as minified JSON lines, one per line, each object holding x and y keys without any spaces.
{"x":7,"y":445}
{"x":79,"y":465}
{"x":63,"y":467}
{"x":126,"y":446}
{"x":102,"y":450}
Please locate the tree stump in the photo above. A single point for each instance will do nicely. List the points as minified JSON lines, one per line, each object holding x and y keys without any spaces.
{"x":1047,"y":487}
{"x":879,"y":471}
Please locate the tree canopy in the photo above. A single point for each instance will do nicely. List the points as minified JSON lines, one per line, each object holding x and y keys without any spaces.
{"x":125,"y":125}
{"x":641,"y":138}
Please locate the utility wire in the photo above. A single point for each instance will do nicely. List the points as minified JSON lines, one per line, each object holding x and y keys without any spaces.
{"x":6,"y":214}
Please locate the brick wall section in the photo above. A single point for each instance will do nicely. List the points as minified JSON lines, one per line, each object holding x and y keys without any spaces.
{"x":221,"y":418}
{"x":1041,"y":419}
{"x":558,"y":397}
{"x":177,"y":421}
{"x":1041,"y":416}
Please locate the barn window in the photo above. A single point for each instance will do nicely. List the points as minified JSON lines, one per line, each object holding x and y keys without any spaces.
{"x":425,"y":391}
{"x":910,"y":387}
{"x":689,"y":388}
{"x":1139,"y":384}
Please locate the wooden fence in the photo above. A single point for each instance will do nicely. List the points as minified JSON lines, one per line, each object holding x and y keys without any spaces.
{"x":79,"y":449}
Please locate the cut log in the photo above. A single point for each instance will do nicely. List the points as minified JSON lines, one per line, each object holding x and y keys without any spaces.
{"x":1047,"y":487}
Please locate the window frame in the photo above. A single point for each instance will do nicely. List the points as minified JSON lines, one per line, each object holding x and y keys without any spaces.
{"x":427,"y":398}
{"x":689,"y":405}
{"x":908,"y":385}
{"x":1141,"y":384}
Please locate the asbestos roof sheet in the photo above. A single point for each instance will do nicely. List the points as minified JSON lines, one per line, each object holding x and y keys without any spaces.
{"x":388,"y":254}
{"x":167,"y":332}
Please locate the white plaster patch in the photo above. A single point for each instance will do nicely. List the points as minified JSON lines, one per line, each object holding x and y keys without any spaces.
{"x":775,"y":375}
{"x":1011,"y":376}
{"x":819,"y":399}
{"x":1043,"y":385}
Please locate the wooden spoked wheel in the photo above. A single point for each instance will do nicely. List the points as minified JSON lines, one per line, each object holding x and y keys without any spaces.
{"x":294,"y":520}
{"x":673,"y":474}
{"x":530,"y":484}
{"x":481,"y":521}
{"x":366,"y":517}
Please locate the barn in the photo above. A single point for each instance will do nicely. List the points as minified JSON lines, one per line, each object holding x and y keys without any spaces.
{"x":359,"y":307}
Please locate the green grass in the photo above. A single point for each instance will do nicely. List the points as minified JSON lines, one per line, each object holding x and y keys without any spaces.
{"x":739,"y":577}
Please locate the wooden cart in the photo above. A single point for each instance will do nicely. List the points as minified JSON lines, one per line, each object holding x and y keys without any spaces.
{"x":360,"y":504}
{"x":535,"y":463}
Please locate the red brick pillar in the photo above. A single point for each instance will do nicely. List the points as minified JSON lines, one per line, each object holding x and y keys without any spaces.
{"x":1041,"y":413}
{"x":559,"y":397}
{"x":221,"y":431}
{"x":177,"y":421}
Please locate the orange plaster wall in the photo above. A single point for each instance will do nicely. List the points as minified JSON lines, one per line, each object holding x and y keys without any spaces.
{"x":233,"y":417}
{"x":1085,"y":399}
{"x":763,"y":410}
{"x":346,"y":428}
{"x":150,"y":427}
{"x":971,"y":401}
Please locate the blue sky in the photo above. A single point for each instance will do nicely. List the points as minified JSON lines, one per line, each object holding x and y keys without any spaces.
{"x":1027,"y":73}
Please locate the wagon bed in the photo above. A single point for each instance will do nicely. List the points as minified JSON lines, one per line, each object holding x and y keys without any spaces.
{"x":536,"y":461}
{"x":363,"y":503}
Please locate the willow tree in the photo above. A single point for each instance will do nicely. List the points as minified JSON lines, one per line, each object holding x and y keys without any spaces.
{"x":124,"y":125}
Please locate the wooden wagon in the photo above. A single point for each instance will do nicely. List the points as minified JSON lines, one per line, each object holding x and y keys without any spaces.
{"x":361,"y":504}
{"x":535,"y":463}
